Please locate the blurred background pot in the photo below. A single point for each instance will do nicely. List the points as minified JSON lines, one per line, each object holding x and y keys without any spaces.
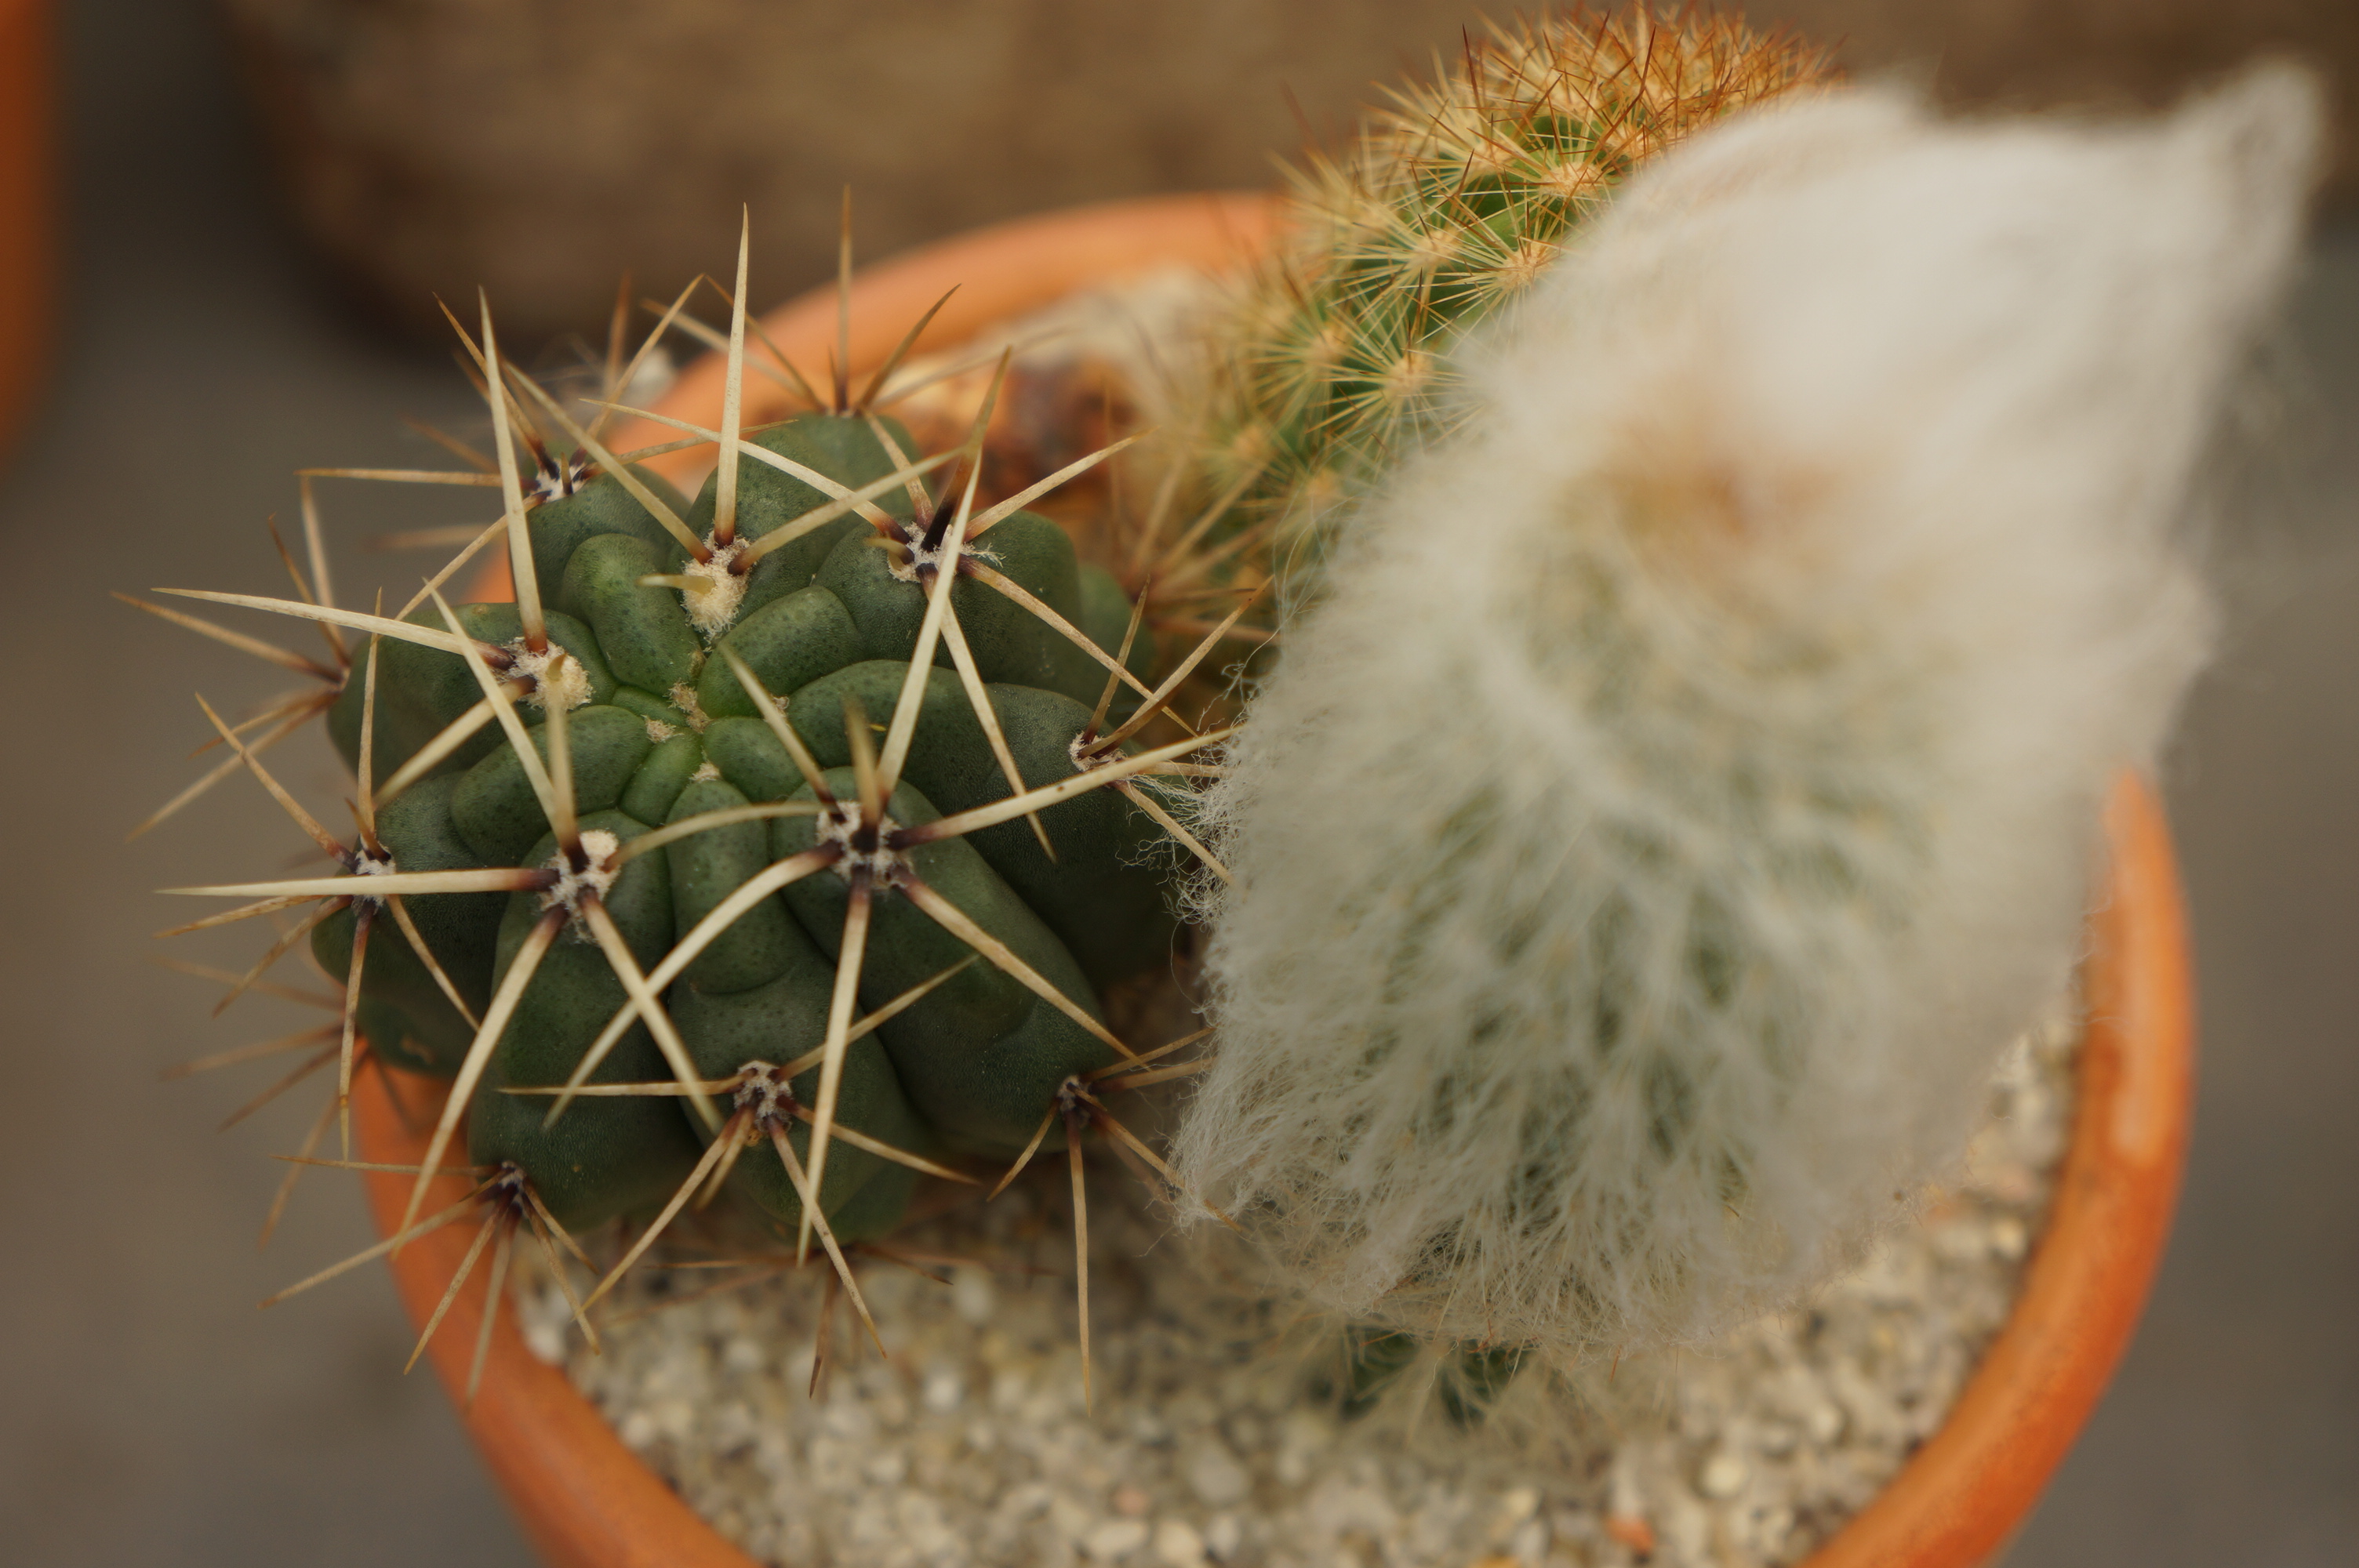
{"x":540,"y":147}
{"x":586,"y":1501}
{"x":29,"y":226}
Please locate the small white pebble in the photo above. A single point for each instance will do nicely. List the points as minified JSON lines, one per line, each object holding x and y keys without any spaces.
{"x":1223,"y":1535}
{"x":1685,"y":1528}
{"x":943,"y":1389}
{"x":1724,"y":1476}
{"x":544,"y":1338}
{"x":1215,"y":1476}
{"x":1517,"y":1506}
{"x":1623,"y":1496}
{"x":1069,"y":1518}
{"x":1309,"y":1432}
{"x":2008,"y":1239}
{"x":1300,"y":1439}
{"x":1337,"y":1506}
{"x":655,"y":372}
{"x":1177,"y":1545}
{"x":844,"y":1416}
{"x":1960,"y":1240}
{"x":972,"y":1296}
{"x":2013,"y":1182}
{"x":639,"y":1428}
{"x":1115,"y":1537}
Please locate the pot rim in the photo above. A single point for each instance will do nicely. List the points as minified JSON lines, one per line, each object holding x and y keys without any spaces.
{"x":587,"y":1501}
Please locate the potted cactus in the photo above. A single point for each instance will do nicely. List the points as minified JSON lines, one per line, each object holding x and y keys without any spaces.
{"x":1705,"y":643}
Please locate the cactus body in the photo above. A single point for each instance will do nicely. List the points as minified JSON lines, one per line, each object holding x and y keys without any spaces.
{"x":660,"y":731}
{"x":1690,"y":781}
{"x":1334,"y":360}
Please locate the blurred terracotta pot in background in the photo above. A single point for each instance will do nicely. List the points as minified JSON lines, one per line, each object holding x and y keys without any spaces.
{"x":540,"y":147}
{"x":28,"y":268}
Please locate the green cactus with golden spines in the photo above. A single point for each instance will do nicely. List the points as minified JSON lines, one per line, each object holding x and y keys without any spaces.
{"x":1333,"y":361}
{"x":805,"y":818}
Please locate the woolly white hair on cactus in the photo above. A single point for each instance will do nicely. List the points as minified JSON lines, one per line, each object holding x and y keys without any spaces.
{"x":1690,"y":781}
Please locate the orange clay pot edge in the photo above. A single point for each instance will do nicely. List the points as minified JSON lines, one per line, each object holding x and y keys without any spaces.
{"x":584,"y":1500}
{"x":1964,"y":1492}
{"x":587,"y":1502}
{"x":999,"y":272}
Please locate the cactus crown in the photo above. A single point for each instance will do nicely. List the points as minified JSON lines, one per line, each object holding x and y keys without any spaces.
{"x":1333,"y":360}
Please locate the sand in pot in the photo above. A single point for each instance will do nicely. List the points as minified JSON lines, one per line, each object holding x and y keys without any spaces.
{"x":1212,"y":1439}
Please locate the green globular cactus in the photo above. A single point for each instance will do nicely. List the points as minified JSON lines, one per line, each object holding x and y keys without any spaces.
{"x":665,"y":735}
{"x":800,"y":817}
{"x":1333,"y":361}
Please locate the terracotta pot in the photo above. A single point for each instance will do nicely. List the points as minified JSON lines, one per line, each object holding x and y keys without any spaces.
{"x":28,"y":223}
{"x":587,"y":1502}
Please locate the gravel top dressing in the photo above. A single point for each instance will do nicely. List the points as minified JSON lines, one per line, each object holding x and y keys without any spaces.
{"x":1214,"y":1437}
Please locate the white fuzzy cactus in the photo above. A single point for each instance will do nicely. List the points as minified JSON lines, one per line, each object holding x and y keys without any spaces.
{"x":1689,"y":782}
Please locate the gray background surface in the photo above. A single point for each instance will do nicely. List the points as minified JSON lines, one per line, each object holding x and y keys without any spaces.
{"x":149,"y":1415}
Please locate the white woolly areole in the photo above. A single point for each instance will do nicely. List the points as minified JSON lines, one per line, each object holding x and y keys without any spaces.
{"x":364,"y":864}
{"x":869,"y":853}
{"x":596,"y":876}
{"x":711,"y":611}
{"x":553,"y":672}
{"x":908,"y":563}
{"x":1691,"y":781}
{"x":691,"y":711}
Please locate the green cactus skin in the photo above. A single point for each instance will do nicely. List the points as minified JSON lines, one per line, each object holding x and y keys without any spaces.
{"x":1466,"y":1376}
{"x":668,"y":734}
